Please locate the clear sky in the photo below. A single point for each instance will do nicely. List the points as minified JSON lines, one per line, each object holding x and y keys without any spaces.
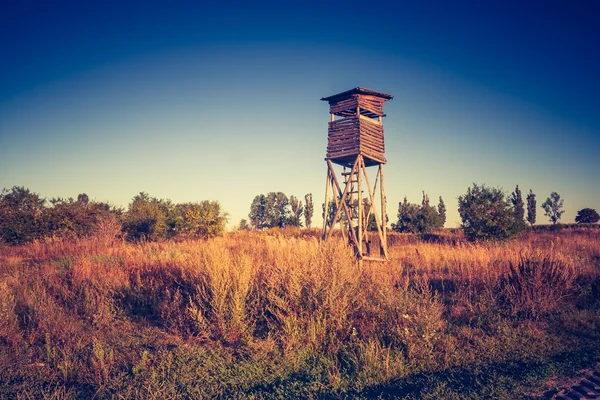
{"x":220,"y":100}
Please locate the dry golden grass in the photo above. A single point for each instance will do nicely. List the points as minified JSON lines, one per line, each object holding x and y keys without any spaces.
{"x":277,"y":313}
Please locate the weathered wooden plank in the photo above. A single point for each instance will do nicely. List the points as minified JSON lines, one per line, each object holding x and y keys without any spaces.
{"x":371,"y":142}
{"x":371,"y":137}
{"x":340,"y":154}
{"x":344,"y":104}
{"x":375,"y":134}
{"x":372,"y":104}
{"x":343,"y":127}
{"x":378,"y":158}
{"x":350,"y":147}
{"x":327,"y":185}
{"x":365,"y":149}
{"x":375,"y":155}
{"x":348,"y":142}
{"x":338,"y":127}
{"x":343,"y":123}
{"x":370,"y":120}
{"x":365,"y":123}
{"x":343,"y":134}
{"x":346,"y":139}
{"x":372,"y":132}
{"x":371,"y":127}
{"x":343,"y":142}
{"x":342,"y":149}
{"x":371,"y":152}
{"x":343,"y":152}
{"x":372,"y":145}
{"x":377,"y":141}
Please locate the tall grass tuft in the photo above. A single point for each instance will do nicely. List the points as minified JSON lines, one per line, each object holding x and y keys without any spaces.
{"x":536,"y":284}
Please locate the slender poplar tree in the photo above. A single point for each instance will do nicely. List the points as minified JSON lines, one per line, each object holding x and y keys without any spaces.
{"x":531,"y":208}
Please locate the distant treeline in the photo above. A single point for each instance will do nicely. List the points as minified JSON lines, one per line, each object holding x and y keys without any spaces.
{"x":486,"y":213}
{"x":25,"y":217}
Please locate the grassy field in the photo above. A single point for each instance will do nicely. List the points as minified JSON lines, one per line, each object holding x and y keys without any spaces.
{"x":278,"y":314}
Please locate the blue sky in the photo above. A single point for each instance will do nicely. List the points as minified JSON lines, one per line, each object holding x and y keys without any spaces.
{"x":202,"y":101}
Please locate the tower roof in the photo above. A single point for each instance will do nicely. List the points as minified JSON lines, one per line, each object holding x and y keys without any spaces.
{"x":357,"y":90}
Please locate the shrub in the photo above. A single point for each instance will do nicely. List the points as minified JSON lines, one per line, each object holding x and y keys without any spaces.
{"x":79,"y":218}
{"x":425,"y":218}
{"x":21,"y":216}
{"x":200,"y":220}
{"x":587,"y":215}
{"x":149,"y":218}
{"x":487,"y":214}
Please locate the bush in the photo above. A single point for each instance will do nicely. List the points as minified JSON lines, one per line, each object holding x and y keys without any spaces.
{"x":487,"y":214}
{"x":152,"y":219}
{"x":70,"y":218}
{"x":21,"y":216}
{"x":587,"y":215}
{"x":200,"y":220}
{"x":149,"y":218}
{"x":424,"y":218}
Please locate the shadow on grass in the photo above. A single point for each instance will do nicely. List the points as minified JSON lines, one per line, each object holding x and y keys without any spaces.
{"x":499,"y":380}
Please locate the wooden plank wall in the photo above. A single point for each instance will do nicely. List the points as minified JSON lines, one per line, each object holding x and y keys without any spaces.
{"x":371,"y":139}
{"x":348,"y":106}
{"x":344,"y":105}
{"x":371,"y":103}
{"x":344,"y":137}
{"x":354,"y":134}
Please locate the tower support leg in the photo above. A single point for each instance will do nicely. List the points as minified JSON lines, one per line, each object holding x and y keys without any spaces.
{"x":357,"y":233}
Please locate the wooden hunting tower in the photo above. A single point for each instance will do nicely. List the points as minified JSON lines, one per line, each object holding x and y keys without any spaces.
{"x":355,"y":142}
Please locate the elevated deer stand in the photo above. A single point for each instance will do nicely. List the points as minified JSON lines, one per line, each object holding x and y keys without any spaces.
{"x":355,"y":143}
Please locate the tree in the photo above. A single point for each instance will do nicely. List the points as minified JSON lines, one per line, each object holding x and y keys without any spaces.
{"x":83,"y":199}
{"x":308,"y":209}
{"x":486,"y":214}
{"x":425,"y":218}
{"x":407,"y":217}
{"x":200,"y":220}
{"x":516,"y":199}
{"x":277,"y":209}
{"x":21,"y":216}
{"x":70,"y":218}
{"x":442,"y":212}
{"x":297,"y":211}
{"x":587,"y":216}
{"x":531,"y":208}
{"x":244,"y":226}
{"x":372,"y":223}
{"x":149,"y":218}
{"x":258,"y":212}
{"x":270,"y":211}
{"x":553,"y":207}
{"x":331,"y":210}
